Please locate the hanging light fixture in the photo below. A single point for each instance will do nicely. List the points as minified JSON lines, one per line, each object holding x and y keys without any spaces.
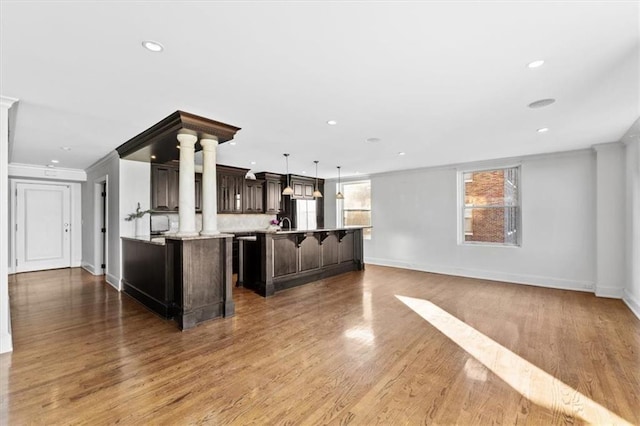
{"x":339,"y":195}
{"x":288,"y":190}
{"x":317,"y":193}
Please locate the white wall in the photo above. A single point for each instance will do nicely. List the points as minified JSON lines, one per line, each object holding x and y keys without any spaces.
{"x":415,"y":222}
{"x":632,"y":288}
{"x":135,"y":187}
{"x":6,"y":342}
{"x":610,"y":220}
{"x":106,"y":168}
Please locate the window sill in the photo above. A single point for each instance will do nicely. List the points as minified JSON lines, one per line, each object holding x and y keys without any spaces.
{"x":485,"y":244}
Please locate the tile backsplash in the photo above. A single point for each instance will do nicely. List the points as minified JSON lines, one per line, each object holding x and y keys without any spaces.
{"x":227,"y":222}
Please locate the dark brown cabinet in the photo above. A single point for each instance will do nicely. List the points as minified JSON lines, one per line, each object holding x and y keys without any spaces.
{"x":272,"y":192}
{"x":230,"y":187}
{"x":165,"y":188}
{"x":302,"y":188}
{"x":253,"y":202}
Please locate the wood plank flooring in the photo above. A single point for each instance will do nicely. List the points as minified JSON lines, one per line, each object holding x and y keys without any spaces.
{"x":344,"y":350}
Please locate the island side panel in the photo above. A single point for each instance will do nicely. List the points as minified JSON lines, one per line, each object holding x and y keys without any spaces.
{"x":309,"y":254}
{"x":285,"y":255}
{"x":144,"y":277}
{"x":202,"y":275}
{"x":229,"y":305}
{"x":330,"y":250}
{"x":346,"y":248}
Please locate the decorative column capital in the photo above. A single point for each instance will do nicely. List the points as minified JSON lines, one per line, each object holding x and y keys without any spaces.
{"x":187,"y":139}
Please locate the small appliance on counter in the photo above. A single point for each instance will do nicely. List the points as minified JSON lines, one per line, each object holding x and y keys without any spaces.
{"x":159,"y":224}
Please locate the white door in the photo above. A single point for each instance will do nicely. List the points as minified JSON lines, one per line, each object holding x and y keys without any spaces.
{"x":43,"y":227}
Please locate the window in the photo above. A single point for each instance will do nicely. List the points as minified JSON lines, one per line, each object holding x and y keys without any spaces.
{"x":355,"y":209}
{"x":491,"y":206}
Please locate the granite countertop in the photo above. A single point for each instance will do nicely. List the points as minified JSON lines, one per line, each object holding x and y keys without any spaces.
{"x":299,"y":231}
{"x":160,"y":240}
{"x":148,"y":239}
{"x":239,"y":231}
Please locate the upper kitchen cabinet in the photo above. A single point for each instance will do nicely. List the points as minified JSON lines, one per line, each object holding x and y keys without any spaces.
{"x":165,"y":188}
{"x":253,"y":202}
{"x":272,"y":192}
{"x":302,"y":187}
{"x":230,"y":188}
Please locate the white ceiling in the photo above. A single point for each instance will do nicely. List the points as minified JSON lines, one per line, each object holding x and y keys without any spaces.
{"x":445,"y":82}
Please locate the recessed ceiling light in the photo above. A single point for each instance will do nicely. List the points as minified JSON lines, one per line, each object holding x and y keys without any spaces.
{"x":372,"y":140}
{"x":541,"y":103}
{"x":401,"y":153}
{"x":153,"y":46}
{"x":232,"y":143}
{"x":304,"y":172}
{"x":65,"y":148}
{"x":332,"y":122}
{"x":543,"y":130}
{"x":55,"y":161}
{"x":50,"y":165}
{"x":153,"y":157}
{"x":536,"y":64}
{"x":253,"y":163}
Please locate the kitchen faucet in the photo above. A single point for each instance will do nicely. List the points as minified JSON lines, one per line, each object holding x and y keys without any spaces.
{"x":288,"y":220}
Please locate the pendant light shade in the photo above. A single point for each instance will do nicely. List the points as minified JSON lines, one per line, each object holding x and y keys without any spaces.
{"x":339,"y":195}
{"x":288,"y":190}
{"x":317,"y":193}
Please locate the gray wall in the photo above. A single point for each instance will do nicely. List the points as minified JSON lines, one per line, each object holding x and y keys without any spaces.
{"x":632,"y":154}
{"x":107,"y":167}
{"x":415,"y":223}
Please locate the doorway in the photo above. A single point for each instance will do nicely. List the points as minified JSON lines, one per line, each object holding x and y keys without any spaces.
{"x":101,"y":231}
{"x":43,"y":226}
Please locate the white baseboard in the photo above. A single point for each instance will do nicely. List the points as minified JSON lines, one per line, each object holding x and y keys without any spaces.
{"x":610,"y":292}
{"x":548,"y":282}
{"x":632,"y":303}
{"x":90,"y":268}
{"x":6,"y":343}
{"x":113,"y":281}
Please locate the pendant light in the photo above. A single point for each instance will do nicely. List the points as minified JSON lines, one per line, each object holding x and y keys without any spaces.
{"x":317,"y":193}
{"x":339,"y":195}
{"x":288,"y":190}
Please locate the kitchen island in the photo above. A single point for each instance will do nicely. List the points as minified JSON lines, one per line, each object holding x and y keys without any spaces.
{"x":185,"y":278}
{"x":283,"y":259}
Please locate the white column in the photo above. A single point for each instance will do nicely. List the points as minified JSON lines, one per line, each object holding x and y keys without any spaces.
{"x":6,"y":343}
{"x":209,"y":196}
{"x":187,"y":187}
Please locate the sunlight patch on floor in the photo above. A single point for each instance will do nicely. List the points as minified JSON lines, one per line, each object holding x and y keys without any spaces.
{"x":530,"y":381}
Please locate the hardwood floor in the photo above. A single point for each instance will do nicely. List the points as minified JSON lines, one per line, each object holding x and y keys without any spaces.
{"x":344,"y":350}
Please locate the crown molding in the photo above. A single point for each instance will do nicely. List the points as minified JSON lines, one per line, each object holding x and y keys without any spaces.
{"x":18,"y":170}
{"x":112,"y":155}
{"x":609,"y":145}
